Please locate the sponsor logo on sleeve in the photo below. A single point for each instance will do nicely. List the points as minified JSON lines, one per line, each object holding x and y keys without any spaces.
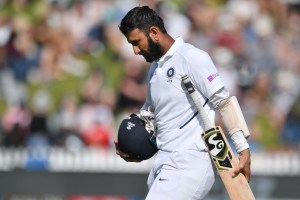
{"x":211,"y":77}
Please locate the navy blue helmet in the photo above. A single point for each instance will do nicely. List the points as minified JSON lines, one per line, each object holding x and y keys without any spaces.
{"x":135,"y":140}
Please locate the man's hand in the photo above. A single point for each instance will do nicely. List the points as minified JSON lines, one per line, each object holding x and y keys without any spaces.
{"x":123,"y":155}
{"x":244,"y":164}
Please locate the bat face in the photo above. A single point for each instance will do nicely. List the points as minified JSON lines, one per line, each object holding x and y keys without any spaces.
{"x":224,"y":160}
{"x":218,"y":148}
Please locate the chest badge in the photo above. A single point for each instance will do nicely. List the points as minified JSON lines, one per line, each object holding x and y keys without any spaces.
{"x":170,"y":74}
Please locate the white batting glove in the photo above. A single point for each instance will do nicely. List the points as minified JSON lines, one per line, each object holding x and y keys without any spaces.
{"x":148,"y":117}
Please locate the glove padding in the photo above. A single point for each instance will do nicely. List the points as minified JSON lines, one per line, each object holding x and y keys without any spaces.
{"x":148,"y":117}
{"x":149,"y":122}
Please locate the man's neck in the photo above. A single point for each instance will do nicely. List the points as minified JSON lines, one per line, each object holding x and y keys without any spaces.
{"x":166,"y":43}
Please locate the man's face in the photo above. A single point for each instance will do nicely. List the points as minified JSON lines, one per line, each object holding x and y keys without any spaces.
{"x":144,"y":45}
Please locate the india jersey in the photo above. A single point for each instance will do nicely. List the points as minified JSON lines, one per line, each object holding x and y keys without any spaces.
{"x":177,"y":119}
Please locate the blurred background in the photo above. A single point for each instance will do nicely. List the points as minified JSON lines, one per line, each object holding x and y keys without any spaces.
{"x":68,"y":77}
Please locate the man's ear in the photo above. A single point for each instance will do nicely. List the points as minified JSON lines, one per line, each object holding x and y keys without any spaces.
{"x":154,"y":33}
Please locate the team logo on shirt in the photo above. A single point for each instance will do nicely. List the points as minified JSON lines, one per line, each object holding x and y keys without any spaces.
{"x":170,"y":73}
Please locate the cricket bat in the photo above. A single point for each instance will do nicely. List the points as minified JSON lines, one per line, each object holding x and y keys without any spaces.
{"x":221,"y":153}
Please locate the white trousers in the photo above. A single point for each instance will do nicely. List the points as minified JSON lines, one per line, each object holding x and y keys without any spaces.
{"x":180,"y":175}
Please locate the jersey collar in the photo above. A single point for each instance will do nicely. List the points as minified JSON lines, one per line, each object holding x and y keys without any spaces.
{"x":178,"y":42}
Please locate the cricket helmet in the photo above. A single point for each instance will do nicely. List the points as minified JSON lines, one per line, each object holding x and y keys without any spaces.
{"x":135,"y":140}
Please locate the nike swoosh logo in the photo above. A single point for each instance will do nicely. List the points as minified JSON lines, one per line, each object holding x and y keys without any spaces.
{"x":162,"y":179}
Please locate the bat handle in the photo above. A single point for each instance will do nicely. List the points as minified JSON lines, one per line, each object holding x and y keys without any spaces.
{"x":191,"y":90}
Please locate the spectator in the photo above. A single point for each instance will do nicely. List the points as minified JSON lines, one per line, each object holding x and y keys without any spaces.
{"x":64,"y":124}
{"x":16,"y":124}
{"x":132,"y":91}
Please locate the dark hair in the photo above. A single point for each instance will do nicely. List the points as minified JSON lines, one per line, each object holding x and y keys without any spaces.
{"x":142,"y":18}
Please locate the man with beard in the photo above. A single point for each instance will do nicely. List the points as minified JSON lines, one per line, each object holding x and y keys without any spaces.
{"x":182,"y":169}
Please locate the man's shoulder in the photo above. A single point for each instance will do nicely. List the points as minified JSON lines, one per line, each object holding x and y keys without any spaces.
{"x":190,"y":51}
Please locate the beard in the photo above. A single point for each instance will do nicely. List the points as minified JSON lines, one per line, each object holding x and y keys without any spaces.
{"x":154,"y":52}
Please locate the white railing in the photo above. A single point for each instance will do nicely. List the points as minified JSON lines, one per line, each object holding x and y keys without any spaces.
{"x":60,"y":159}
{"x":98,"y":160}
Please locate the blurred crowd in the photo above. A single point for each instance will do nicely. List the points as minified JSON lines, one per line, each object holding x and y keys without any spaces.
{"x":254,"y":43}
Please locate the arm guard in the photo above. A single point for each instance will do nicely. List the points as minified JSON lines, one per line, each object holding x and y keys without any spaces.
{"x":232,"y":117}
